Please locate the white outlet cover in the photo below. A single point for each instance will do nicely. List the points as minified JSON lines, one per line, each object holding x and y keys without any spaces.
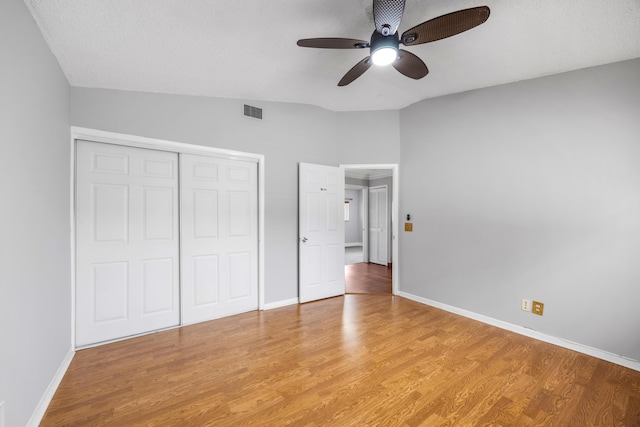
{"x":526,"y":305}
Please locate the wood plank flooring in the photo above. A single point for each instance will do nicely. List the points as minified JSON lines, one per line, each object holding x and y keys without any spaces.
{"x":367,"y":278}
{"x":357,"y":360}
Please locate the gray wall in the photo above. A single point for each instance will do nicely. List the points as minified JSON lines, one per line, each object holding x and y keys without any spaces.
{"x":353,"y":227}
{"x":530,"y":190}
{"x":35,"y":289}
{"x":356,"y":181}
{"x":369,"y":137}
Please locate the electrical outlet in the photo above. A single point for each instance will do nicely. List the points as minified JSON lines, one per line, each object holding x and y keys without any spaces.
{"x":408,"y":226}
{"x":537,"y":308}
{"x":526,"y":305}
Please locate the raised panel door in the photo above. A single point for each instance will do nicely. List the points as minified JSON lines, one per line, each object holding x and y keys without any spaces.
{"x":219,"y":243}
{"x":127,"y":244}
{"x":321,"y":232}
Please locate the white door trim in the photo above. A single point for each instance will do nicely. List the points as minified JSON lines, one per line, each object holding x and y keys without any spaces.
{"x":163,"y":145}
{"x":394,"y":216}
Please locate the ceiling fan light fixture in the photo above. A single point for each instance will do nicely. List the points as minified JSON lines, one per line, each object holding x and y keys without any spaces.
{"x":384,"y":49}
{"x":384,"y":56}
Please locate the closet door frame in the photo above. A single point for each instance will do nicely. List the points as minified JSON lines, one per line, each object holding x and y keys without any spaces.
{"x":93,"y":135}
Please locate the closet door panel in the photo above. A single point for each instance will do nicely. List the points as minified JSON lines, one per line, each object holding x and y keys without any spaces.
{"x":127,"y":246}
{"x":219,"y":237}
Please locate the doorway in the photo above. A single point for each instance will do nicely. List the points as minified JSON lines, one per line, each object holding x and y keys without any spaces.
{"x":366,"y":184}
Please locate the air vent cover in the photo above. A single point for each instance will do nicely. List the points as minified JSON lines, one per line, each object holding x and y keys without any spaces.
{"x":251,"y":111}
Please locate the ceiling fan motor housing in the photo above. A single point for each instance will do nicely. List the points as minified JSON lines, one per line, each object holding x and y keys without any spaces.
{"x":379,"y":41}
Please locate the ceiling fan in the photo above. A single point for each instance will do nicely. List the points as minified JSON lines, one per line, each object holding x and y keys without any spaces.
{"x":384,"y":44}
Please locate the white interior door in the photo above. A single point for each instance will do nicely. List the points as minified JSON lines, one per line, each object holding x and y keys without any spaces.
{"x":126,"y":241}
{"x":321,"y":232}
{"x":219,"y":229}
{"x":378,"y":225}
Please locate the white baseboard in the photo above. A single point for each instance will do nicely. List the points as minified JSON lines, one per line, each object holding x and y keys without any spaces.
{"x":531,"y":333}
{"x":37,"y":415}
{"x":350,"y":245}
{"x":278,"y":304}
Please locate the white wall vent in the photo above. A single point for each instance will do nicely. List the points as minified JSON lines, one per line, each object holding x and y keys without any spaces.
{"x":254,"y":112}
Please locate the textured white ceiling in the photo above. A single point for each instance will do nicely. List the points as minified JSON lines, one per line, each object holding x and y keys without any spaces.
{"x":247,"y":49}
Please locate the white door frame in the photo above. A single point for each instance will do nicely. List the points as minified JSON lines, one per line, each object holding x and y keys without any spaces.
{"x":395,"y":168}
{"x":162,"y":145}
{"x":364,"y":211}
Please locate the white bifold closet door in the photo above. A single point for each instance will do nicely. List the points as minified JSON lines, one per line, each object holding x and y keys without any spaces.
{"x":219,"y":237}
{"x":127,"y":265}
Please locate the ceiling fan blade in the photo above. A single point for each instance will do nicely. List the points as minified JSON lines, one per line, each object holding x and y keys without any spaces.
{"x":410,"y":65}
{"x":387,"y":15}
{"x":356,"y":71}
{"x":333,"y":43}
{"x":445,"y":26}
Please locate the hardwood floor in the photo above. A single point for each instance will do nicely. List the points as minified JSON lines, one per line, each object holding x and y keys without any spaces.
{"x":355,"y":360}
{"x":367,"y":278}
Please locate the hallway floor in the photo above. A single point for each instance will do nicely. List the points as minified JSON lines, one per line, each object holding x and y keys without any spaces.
{"x":367,"y":278}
